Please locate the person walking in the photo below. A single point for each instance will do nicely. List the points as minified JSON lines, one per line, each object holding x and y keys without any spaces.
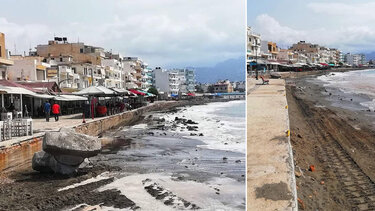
{"x":56,"y":111}
{"x":47,"y":110}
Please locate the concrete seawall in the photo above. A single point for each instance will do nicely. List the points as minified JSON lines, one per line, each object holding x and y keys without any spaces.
{"x":270,"y":170}
{"x":95,"y":128}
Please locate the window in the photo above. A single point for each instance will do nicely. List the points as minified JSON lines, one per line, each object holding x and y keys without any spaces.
{"x":81,"y":50}
{"x":74,"y":70}
{"x":61,"y":59}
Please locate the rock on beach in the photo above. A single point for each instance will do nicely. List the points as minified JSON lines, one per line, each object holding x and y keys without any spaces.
{"x":64,"y":151}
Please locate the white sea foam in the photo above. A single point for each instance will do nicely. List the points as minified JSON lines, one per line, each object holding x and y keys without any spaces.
{"x":202,"y":194}
{"x":223,"y":124}
{"x":102,"y":176}
{"x":353,"y":82}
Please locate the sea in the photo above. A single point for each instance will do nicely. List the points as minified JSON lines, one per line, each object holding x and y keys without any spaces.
{"x":206,"y":169}
{"x":222,"y":123}
{"x":360,"y":84}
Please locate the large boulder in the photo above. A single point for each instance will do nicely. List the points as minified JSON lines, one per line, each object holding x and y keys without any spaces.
{"x":41,"y":162}
{"x":45,"y":162}
{"x":68,"y":142}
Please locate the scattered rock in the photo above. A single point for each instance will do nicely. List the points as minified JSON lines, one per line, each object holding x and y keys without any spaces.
{"x":238,"y":161}
{"x":297,"y":173}
{"x":301,"y":205}
{"x":299,"y":136}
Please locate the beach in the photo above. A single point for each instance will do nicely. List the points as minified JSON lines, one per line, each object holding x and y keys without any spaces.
{"x":332,"y":128}
{"x":185,"y":158}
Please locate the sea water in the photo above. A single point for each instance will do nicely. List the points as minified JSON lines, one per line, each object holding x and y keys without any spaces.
{"x":354,"y":82}
{"x":223,"y":124}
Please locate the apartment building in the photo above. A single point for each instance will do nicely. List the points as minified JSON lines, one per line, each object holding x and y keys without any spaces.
{"x":113,"y":73}
{"x":253,"y":45}
{"x":5,"y":62}
{"x":355,"y":59}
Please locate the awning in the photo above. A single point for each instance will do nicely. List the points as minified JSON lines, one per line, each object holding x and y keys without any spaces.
{"x":174,"y":95}
{"x":137,"y":92}
{"x":191,"y":94}
{"x":69,"y":98}
{"x":95,"y":91}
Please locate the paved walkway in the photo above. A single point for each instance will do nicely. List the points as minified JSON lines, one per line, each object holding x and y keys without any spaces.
{"x":270,"y":171}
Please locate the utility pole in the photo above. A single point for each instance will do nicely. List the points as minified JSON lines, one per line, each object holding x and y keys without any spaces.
{"x":256,"y":63}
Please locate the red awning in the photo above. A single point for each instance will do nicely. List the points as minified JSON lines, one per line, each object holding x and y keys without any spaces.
{"x":137,"y":92}
{"x":191,"y":94}
{"x":325,"y":64}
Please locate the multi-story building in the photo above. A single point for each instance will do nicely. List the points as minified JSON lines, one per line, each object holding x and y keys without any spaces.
{"x":28,"y":68}
{"x":186,"y":79}
{"x":224,"y":86}
{"x":175,"y":81}
{"x":79,"y":51}
{"x":113,"y":73}
{"x":5,"y":62}
{"x":146,"y":77}
{"x":253,"y":46}
{"x":137,"y":66}
{"x":355,"y":59}
{"x":161,"y":80}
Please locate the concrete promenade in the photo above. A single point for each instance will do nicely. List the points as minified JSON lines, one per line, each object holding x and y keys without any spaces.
{"x":270,"y":170}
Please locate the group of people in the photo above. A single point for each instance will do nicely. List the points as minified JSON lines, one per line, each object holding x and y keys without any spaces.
{"x":55,"y":110}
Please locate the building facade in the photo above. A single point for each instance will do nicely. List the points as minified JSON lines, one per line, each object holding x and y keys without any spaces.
{"x":5,"y":62}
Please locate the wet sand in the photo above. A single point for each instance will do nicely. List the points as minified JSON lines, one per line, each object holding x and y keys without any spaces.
{"x":143,"y":168}
{"x":330,"y":131}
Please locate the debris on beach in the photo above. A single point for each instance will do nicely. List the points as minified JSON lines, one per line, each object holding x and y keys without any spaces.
{"x":64,"y":150}
{"x":166,"y":196}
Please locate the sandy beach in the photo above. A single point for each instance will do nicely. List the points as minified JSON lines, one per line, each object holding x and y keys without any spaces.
{"x":164,"y":162}
{"x":329,"y":131}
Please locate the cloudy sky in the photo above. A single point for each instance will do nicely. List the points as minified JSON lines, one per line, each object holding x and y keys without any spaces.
{"x":168,"y":33}
{"x":345,"y":24}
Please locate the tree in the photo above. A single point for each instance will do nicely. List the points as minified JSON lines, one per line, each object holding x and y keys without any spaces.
{"x":153,"y":90}
{"x":198,"y":89}
{"x":211,"y":89}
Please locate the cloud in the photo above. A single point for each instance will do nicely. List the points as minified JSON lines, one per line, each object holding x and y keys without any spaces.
{"x":354,"y":12}
{"x":21,"y":37}
{"x":164,"y":33}
{"x":353,"y":38}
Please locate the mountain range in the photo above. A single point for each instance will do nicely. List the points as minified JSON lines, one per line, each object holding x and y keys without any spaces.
{"x":231,"y":69}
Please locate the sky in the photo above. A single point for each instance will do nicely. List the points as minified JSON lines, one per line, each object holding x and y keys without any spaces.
{"x":166,"y":33}
{"x":348,"y":25}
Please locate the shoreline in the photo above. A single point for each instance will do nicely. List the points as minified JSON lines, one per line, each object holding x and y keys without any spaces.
{"x":338,"y":142}
{"x":26,"y":181}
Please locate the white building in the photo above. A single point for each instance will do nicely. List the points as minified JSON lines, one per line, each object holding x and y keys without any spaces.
{"x":113,"y":73}
{"x":253,"y":45}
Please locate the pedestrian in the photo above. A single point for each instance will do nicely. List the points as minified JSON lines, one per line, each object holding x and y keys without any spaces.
{"x":47,"y":110}
{"x":56,"y":111}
